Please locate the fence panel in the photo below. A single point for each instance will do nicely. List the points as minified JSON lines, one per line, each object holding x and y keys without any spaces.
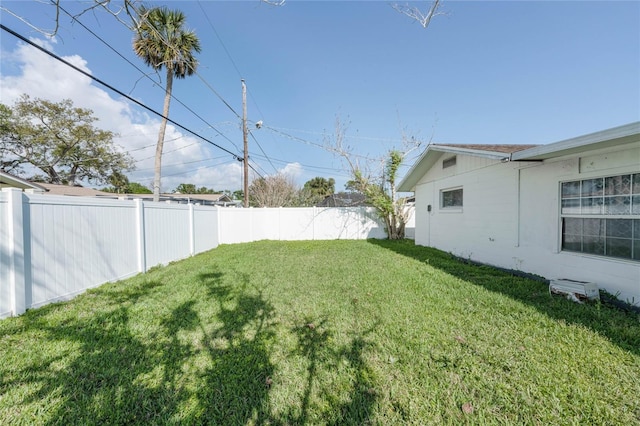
{"x":205,"y":228}
{"x":166,"y":232}
{"x":297,"y":224}
{"x":65,"y":245}
{"x":265,"y":224}
{"x":235,"y":226}
{"x":76,"y":244}
{"x":352,"y":223}
{"x":5,"y":290}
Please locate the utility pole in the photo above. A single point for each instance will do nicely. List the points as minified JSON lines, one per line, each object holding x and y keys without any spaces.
{"x":245,"y":134}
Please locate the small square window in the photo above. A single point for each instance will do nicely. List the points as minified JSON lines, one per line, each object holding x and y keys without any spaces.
{"x":451,"y":198}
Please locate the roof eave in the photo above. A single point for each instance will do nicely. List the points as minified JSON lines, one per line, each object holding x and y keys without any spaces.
{"x":602,"y":139}
{"x":19,"y":182}
{"x":427,"y":160}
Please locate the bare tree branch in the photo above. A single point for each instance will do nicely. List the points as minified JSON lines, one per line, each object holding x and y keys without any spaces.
{"x":46,"y":33}
{"x":379,"y":188}
{"x":415,"y":13}
{"x":274,"y":2}
{"x":124,"y":11}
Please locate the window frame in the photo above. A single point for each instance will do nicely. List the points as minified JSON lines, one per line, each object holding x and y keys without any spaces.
{"x":594,"y":210}
{"x":451,"y":208}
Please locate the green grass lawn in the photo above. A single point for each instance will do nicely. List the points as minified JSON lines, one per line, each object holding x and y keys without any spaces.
{"x":333,"y":332}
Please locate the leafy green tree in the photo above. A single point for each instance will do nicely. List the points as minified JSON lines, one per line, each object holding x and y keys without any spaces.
{"x":162,"y":41}
{"x":189,"y":188}
{"x":320,"y":187}
{"x":59,"y":142}
{"x":119,"y":183}
{"x":390,"y":208}
{"x":137,"y":188}
{"x":238,"y":194}
{"x":128,"y":188}
{"x":205,"y":190}
{"x":185,"y":188}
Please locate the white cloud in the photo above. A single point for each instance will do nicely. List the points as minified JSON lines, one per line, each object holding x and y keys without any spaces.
{"x":293,"y":170}
{"x":185,"y":158}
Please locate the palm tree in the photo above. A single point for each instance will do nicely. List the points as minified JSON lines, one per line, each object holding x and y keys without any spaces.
{"x":162,"y":41}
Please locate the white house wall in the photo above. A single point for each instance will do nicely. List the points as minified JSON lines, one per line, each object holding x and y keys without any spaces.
{"x":486,"y":224}
{"x":511,"y":216}
{"x":540,"y":241}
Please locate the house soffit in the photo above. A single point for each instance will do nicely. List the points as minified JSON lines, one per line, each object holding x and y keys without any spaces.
{"x":614,"y":137}
{"x":434,"y":152}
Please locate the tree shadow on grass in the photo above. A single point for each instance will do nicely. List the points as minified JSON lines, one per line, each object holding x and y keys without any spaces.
{"x":115,"y":376}
{"x":619,"y":326}
{"x":98,"y":377}
{"x":98,"y":386}
{"x":235,"y":388}
{"x":315,"y":339}
{"x":182,"y":367}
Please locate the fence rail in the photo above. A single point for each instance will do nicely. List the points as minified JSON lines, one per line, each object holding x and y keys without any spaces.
{"x":55,"y":247}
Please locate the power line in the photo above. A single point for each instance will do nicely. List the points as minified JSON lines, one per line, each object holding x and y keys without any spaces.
{"x":180,"y":164}
{"x":220,"y":40}
{"x":75,"y":19}
{"x":53,"y":55}
{"x":239,"y":75}
{"x":264,"y":153}
{"x":310,"y":132}
{"x":317,"y":145}
{"x":319,"y":168}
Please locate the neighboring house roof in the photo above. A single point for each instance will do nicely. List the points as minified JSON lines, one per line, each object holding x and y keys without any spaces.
{"x":80,"y":191}
{"x":75,"y":191}
{"x":212,"y":198}
{"x":10,"y":181}
{"x":343,"y":199}
{"x":607,"y":138}
{"x":205,"y":199}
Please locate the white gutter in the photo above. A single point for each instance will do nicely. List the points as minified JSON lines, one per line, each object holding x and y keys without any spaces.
{"x":494,"y":155}
{"x":546,"y":151}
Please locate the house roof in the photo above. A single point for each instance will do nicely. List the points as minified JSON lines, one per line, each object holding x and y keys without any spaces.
{"x":615,"y":136}
{"x":497,"y":149}
{"x":80,"y":191}
{"x":11,"y":181}
{"x":200,"y":197}
{"x":604,"y":139}
{"x":186,"y":198}
{"x":75,"y":191}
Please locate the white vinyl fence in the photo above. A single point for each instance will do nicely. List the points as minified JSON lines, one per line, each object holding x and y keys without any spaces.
{"x":55,"y":247}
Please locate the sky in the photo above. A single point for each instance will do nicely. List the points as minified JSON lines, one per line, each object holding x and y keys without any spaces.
{"x":495,"y":72}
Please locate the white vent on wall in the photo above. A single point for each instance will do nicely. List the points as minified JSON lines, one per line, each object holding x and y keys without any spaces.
{"x":574,"y":289}
{"x":449,"y":162}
